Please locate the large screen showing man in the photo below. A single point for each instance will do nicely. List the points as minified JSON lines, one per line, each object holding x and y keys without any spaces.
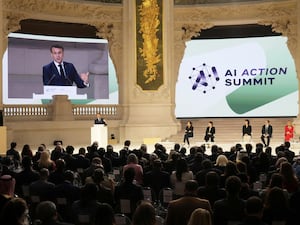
{"x":61,"y":73}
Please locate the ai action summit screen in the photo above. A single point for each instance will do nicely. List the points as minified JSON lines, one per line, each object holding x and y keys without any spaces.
{"x":237,"y":77}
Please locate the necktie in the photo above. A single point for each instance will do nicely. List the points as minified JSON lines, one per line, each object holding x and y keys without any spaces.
{"x":61,"y":71}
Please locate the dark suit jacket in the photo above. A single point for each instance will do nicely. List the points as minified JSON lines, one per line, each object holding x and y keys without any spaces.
{"x":180,"y":210}
{"x":51,"y":76}
{"x":269,"y":131}
{"x":100,"y":121}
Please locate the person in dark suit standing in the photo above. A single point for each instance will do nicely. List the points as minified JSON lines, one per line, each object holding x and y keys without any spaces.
{"x":266,"y":133}
{"x":100,"y":120}
{"x":61,"y":73}
{"x":210,"y":132}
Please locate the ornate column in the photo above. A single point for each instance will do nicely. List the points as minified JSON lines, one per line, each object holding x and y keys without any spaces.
{"x":148,"y":109}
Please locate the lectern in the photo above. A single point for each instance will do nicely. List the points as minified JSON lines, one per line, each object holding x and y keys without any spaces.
{"x":99,"y":134}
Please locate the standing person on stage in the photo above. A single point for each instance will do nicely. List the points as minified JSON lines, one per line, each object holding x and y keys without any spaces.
{"x":100,"y":120}
{"x":210,"y":132}
{"x":247,"y":131}
{"x":188,"y":132}
{"x":288,"y":131}
{"x":266,"y":133}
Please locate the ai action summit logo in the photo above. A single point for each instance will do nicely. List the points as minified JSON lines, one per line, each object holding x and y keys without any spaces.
{"x":204,"y":78}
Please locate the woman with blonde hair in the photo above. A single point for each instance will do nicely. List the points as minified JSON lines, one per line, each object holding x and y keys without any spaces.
{"x":221,"y":162}
{"x":45,"y":161}
{"x":200,"y":217}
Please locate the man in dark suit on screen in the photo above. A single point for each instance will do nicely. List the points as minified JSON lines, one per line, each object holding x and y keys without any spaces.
{"x":61,"y":73}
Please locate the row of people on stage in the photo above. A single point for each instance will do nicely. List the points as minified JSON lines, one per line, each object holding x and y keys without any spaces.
{"x":266,"y":132}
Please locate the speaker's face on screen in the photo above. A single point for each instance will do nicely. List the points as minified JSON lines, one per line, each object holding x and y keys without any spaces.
{"x":57,"y":54}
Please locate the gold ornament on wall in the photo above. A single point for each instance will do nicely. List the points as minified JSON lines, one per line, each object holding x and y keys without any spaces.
{"x":149,"y":44}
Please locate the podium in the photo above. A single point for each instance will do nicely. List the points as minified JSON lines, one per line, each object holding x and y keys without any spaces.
{"x":99,"y":134}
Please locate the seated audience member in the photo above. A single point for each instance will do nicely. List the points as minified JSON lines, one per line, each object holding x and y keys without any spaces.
{"x":200,"y":217}
{"x":95,"y":164}
{"x":275,"y":181}
{"x":254,"y":212}
{"x":81,"y":162}
{"x":277,"y":208}
{"x":13,"y":153}
{"x":46,"y":214}
{"x":230,"y":170}
{"x":106,"y":215}
{"x":211,"y":190}
{"x":129,"y":192}
{"x":207,"y":166}
{"x":231,"y":208}
{"x":180,"y":176}
{"x":65,"y":194}
{"x":58,"y":151}
{"x":180,"y":210}
{"x":290,"y":180}
{"x":144,"y":214}
{"x":69,"y":158}
{"x":15,"y":212}
{"x":106,"y":186}
{"x":157,"y":179}
{"x":25,"y":177}
{"x":86,"y":209}
{"x":37,"y":154}
{"x":42,"y":188}
{"x":132,"y":162}
{"x":288,"y":153}
{"x":45,"y":161}
{"x":57,"y":175}
{"x":26,"y":151}
{"x":246,"y":191}
{"x":7,"y":187}
{"x":221,"y":163}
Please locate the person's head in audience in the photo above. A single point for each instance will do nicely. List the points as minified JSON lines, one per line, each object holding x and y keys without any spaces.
{"x":69,"y":176}
{"x":82,"y":151}
{"x":7,"y":185}
{"x":212,"y":179}
{"x":221,"y":161}
{"x":44,"y":174}
{"x":70,"y":149}
{"x":200,"y":217}
{"x":129,"y":175}
{"x":276,"y":199}
{"x":15,"y":212}
{"x":60,"y":165}
{"x":46,"y":212}
{"x":233,"y":186}
{"x":254,"y":207}
{"x":97,"y":162}
{"x":206,"y":164}
{"x":287,"y":144}
{"x":157,"y":165}
{"x":88,"y":193}
{"x":13,"y":145}
{"x":214,"y":149}
{"x":132,"y":159}
{"x":109,"y":149}
{"x":26,"y":162}
{"x":276,"y":180}
{"x":231,"y":169}
{"x":279,"y":161}
{"x":248,"y":148}
{"x":181,"y":167}
{"x":176,"y":147}
{"x":190,"y":188}
{"x":98,"y":176}
{"x":144,"y":214}
{"x":105,"y":215}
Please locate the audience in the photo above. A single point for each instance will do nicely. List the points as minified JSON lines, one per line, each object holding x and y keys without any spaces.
{"x":78,"y":189}
{"x":180,"y":210}
{"x":15,"y":212}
